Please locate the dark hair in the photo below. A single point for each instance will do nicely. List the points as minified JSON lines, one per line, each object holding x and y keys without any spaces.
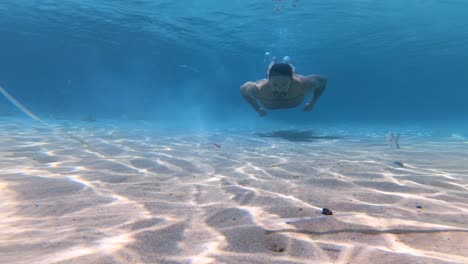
{"x":280,"y":69}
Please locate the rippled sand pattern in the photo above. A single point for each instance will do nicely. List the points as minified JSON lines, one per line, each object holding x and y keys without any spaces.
{"x":143,"y":195}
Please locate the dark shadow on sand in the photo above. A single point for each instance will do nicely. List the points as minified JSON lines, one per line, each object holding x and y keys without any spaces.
{"x":297,"y":135}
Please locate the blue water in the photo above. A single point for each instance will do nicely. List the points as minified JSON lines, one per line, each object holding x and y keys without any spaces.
{"x":385,"y":60}
{"x":126,"y":139}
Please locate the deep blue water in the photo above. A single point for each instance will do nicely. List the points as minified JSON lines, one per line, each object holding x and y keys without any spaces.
{"x":399,"y":61}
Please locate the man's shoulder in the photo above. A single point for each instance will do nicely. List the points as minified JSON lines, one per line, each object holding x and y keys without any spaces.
{"x":305,"y":82}
{"x":252,"y":88}
{"x":304,"y":78}
{"x":258,"y":83}
{"x":312,"y":79}
{"x":261,"y":83}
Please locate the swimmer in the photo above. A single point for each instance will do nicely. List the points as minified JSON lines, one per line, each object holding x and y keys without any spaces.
{"x":283,"y":89}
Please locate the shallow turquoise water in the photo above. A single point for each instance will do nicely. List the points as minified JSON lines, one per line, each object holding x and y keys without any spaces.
{"x":150,"y":154}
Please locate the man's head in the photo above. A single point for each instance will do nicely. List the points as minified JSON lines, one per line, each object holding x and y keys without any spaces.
{"x":280,"y":76}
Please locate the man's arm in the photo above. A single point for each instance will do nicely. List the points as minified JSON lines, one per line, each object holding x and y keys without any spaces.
{"x":248,"y":91}
{"x":316,"y":84}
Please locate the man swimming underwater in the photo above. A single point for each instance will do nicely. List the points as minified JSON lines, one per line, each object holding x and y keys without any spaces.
{"x":283,"y":89}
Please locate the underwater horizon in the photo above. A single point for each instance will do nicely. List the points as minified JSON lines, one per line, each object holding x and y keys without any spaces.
{"x":125,"y":138}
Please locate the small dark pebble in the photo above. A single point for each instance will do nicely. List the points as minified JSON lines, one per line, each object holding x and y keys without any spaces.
{"x":276,"y":248}
{"x":37,"y":205}
{"x":419,"y":207}
{"x":300,"y":209}
{"x":233,"y":219}
{"x":327,"y":211}
{"x":400,"y":164}
{"x":170,"y":194}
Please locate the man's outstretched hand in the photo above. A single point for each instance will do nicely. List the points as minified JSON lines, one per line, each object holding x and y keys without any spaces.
{"x":261,"y":111}
{"x":308,"y":107}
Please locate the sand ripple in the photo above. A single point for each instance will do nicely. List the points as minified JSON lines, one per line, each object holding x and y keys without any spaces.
{"x":144,"y":196}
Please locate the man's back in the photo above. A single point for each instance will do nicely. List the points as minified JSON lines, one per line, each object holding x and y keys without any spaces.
{"x":283,"y":89}
{"x":294,"y":97}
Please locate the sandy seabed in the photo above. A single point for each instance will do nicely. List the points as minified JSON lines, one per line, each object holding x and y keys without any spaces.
{"x":138,"y":194}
